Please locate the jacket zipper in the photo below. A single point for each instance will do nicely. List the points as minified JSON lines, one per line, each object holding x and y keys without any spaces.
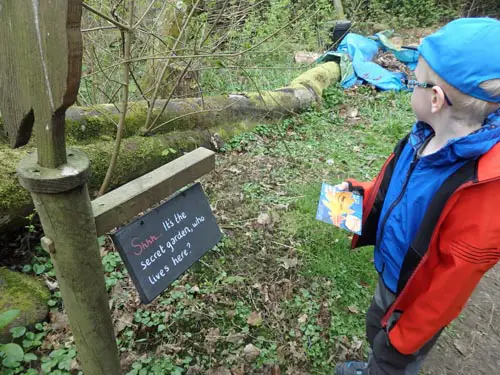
{"x":389,"y":312}
{"x":413,"y":165}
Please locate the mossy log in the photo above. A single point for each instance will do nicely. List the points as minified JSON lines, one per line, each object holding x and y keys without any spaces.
{"x":192,"y":123}
{"x":23,"y":292}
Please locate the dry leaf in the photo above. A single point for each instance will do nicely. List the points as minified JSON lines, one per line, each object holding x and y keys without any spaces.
{"x":234,"y":170}
{"x":302,"y":319}
{"x":51,"y":285}
{"x":211,"y":339}
{"x":74,"y":365}
{"x":288,"y":263}
{"x":352,"y":112}
{"x":218,"y":371}
{"x":460,"y":346}
{"x":264,"y":219}
{"x":254,"y":319}
{"x":123,"y":322}
{"x":238,"y":370}
{"x":195,"y":289}
{"x":194,"y":370}
{"x":59,"y":321}
{"x":353,"y":309}
{"x":251,"y":352}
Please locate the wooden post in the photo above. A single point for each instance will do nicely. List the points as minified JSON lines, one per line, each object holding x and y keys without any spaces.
{"x":40,"y":68}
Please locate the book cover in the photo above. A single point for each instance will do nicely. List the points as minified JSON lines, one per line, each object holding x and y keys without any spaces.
{"x":343,"y":209}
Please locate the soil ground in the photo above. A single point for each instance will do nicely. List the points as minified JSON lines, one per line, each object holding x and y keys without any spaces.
{"x":472,"y":344}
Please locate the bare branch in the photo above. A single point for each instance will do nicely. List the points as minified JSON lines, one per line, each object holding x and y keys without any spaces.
{"x":107,"y":18}
{"x":126,"y":90}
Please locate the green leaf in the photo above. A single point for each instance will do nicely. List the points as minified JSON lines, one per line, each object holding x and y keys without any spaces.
{"x":101,"y":240}
{"x":10,"y":363}
{"x":38,"y":268}
{"x":13,"y":352}
{"x":18,"y":332}
{"x":8,"y":317}
{"x":168,"y":151}
{"x":28,"y":357}
{"x":27,"y":268}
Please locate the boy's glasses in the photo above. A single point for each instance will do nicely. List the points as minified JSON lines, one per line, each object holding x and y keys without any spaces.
{"x":411,"y":84}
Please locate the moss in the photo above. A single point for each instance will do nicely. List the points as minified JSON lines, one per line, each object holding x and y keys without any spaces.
{"x":319,"y":78}
{"x":23,"y":292}
{"x":10,"y":191}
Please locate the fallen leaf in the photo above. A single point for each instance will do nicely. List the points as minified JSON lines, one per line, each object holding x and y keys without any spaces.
{"x":218,"y":371}
{"x":302,"y":319}
{"x":460,"y":346}
{"x":124,"y":321}
{"x":51,"y":285}
{"x":353,"y":309}
{"x":352,"y":112}
{"x":288,"y":263}
{"x":74,"y":365}
{"x":251,"y":352}
{"x":254,"y":319}
{"x":194,"y":370}
{"x":195,"y":289}
{"x":264,"y":219}
{"x":211,"y":339}
{"x":59,"y":321}
{"x":238,"y":370}
{"x":234,"y":170}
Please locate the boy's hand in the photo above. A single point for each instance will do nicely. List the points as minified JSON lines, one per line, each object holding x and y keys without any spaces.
{"x":344,"y":186}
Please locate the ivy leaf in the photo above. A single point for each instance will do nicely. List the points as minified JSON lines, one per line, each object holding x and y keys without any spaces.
{"x":18,"y":332}
{"x":39,"y":268}
{"x":13,"y":353}
{"x":27,"y":268}
{"x":28,"y":357}
{"x":8,"y":317}
{"x":101,"y":240}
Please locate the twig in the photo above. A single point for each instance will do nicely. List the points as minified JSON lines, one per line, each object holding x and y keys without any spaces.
{"x":107,"y":18}
{"x":144,"y":14}
{"x":193,"y":113}
{"x":148,"y":125}
{"x":99,"y":28}
{"x":212,"y":55}
{"x":126,"y":90}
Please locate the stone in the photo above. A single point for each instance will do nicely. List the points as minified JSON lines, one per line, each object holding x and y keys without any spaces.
{"x":23,"y":292}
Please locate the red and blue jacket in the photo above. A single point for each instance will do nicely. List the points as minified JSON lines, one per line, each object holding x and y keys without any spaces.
{"x":434,"y":224}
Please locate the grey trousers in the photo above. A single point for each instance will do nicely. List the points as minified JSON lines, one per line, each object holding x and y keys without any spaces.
{"x":384,"y":358}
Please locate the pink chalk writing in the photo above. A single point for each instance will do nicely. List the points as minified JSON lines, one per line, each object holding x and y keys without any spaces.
{"x":143,"y":244}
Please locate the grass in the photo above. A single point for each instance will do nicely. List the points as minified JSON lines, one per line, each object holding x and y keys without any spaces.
{"x":280,"y":285}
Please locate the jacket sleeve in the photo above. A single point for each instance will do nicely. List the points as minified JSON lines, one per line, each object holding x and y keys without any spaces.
{"x":454,"y":274}
{"x":363,"y":188}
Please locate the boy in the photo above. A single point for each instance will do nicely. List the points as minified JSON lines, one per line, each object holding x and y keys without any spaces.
{"x":432,"y":213}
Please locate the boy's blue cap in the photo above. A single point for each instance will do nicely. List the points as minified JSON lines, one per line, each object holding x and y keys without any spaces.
{"x":465,"y":53}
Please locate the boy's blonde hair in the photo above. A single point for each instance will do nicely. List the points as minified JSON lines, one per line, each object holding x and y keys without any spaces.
{"x":465,"y":106}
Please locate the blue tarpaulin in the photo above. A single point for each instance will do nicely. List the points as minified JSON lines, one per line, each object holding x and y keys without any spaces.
{"x":356,"y":53}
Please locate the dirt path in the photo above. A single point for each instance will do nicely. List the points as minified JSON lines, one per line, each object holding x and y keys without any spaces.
{"x":472,"y":345}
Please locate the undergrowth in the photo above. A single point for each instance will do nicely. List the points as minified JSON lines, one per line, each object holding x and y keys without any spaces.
{"x":281,"y":289}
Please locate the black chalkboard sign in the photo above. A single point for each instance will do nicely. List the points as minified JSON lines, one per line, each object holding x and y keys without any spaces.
{"x":159,"y":246}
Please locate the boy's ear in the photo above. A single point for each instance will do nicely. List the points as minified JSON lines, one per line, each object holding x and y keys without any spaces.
{"x":438,"y":99}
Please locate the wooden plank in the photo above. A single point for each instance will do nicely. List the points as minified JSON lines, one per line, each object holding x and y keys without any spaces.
{"x":122,"y":204}
{"x":40,"y":68}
